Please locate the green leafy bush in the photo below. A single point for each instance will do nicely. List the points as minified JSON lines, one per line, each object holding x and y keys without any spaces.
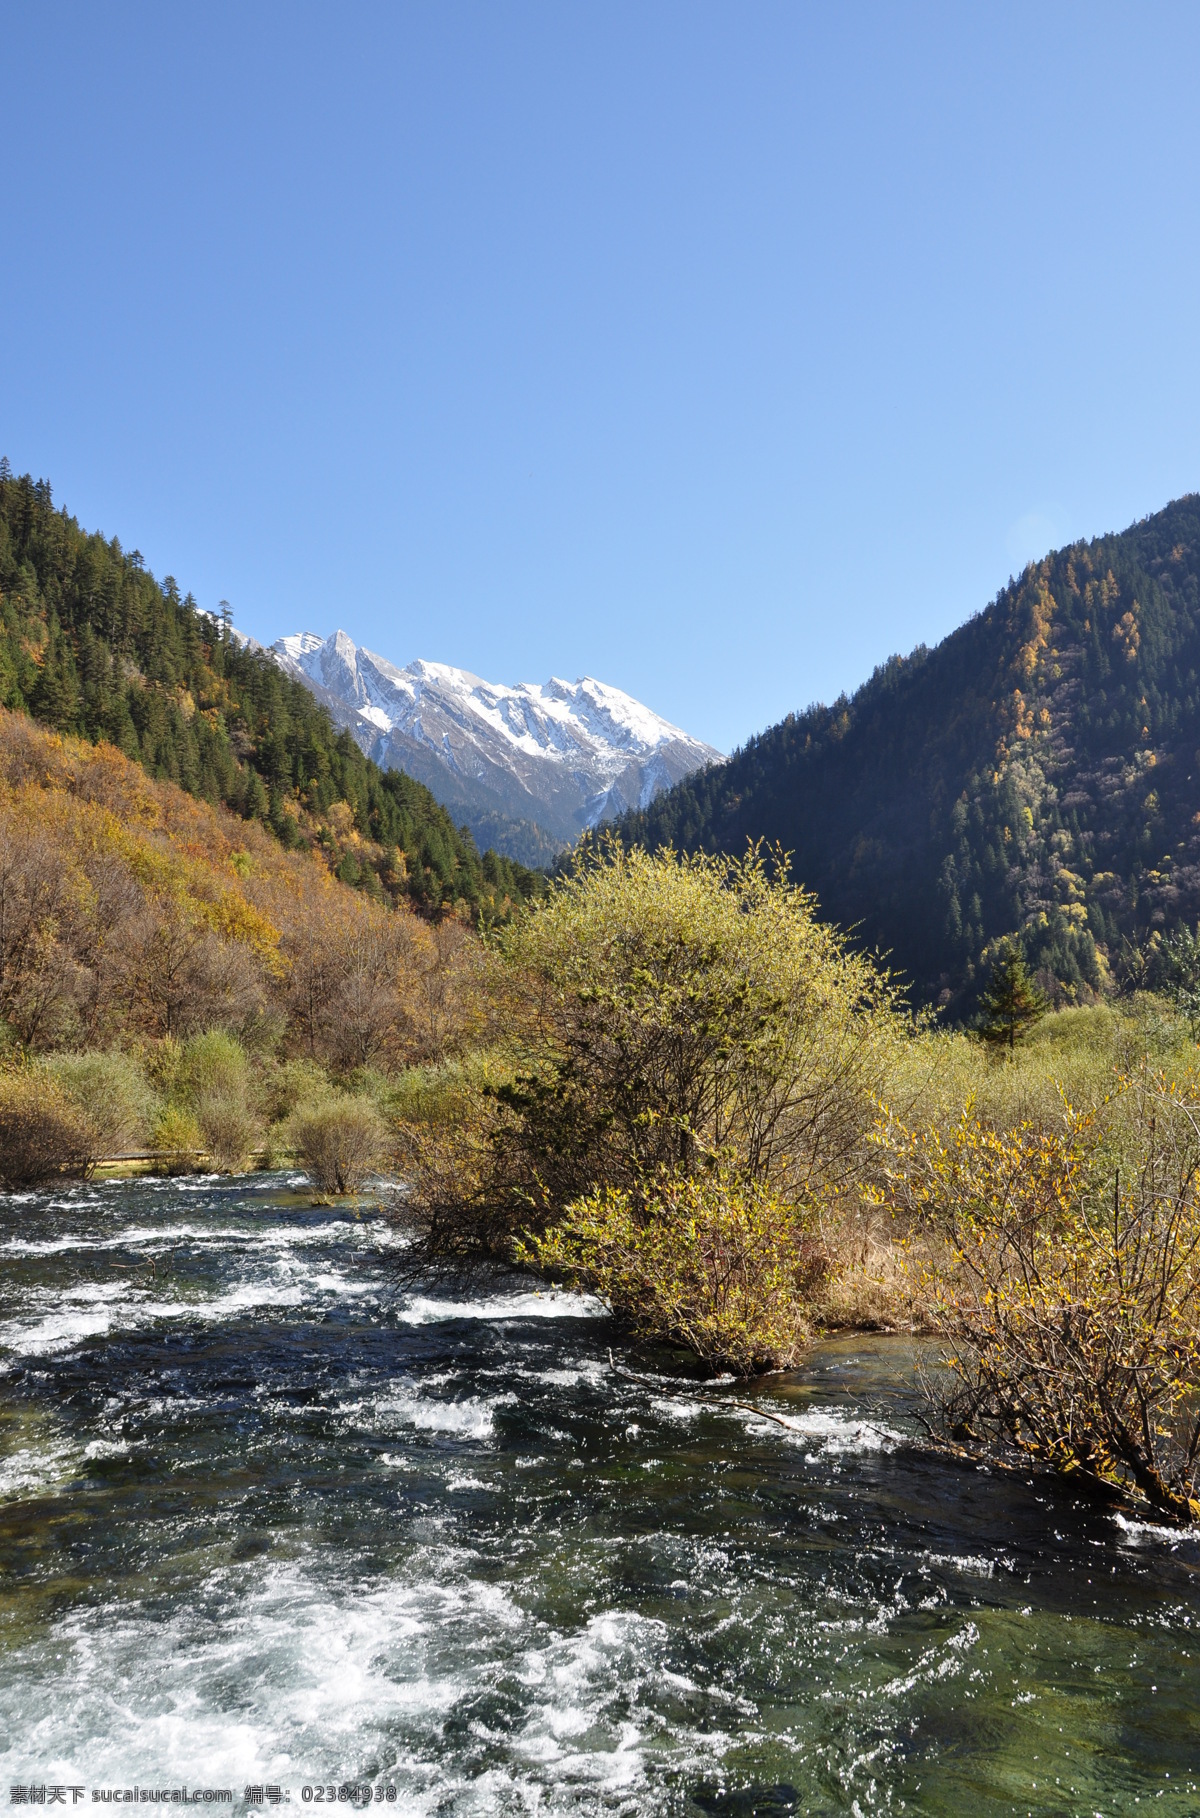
{"x":683,"y":1005}
{"x":178,"y":1141}
{"x":230,"y":1131}
{"x":340,"y":1140}
{"x":212,"y":1103}
{"x":292,"y":1084}
{"x":211,"y":1066}
{"x":112,"y":1092}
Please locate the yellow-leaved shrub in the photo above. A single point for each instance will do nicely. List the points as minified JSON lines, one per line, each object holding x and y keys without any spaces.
{"x":1062,"y":1261}
{"x":44,"y":1136}
{"x":714,"y":1261}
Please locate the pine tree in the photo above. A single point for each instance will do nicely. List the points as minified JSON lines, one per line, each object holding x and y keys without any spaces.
{"x":254,"y":806}
{"x":56,"y":694}
{"x":1012,"y":1003}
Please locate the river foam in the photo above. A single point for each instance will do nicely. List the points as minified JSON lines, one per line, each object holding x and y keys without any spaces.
{"x":271,"y":1512}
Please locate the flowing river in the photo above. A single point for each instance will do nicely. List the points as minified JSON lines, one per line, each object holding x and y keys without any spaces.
{"x":272,"y":1522}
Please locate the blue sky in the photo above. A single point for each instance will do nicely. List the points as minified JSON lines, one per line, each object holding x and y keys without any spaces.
{"x":714,"y":350}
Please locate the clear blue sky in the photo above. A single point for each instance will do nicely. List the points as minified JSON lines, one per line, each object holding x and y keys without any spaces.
{"x":714,"y":350}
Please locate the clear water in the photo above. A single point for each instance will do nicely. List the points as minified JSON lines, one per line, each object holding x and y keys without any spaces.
{"x":267,"y":1518}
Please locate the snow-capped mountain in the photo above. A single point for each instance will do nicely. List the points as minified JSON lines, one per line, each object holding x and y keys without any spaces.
{"x":563,"y":755}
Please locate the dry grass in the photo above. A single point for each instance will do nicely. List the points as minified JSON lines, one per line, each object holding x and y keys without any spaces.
{"x":869,"y":1286}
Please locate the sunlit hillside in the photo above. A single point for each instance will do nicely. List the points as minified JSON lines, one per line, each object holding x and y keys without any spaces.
{"x":130,"y":909}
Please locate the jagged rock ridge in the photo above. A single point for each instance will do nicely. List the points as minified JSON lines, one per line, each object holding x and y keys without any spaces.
{"x":557,"y":756}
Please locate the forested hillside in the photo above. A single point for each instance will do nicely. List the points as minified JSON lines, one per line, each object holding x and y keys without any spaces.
{"x":92,"y":644}
{"x":1038,"y":773}
{"x":131,"y":912}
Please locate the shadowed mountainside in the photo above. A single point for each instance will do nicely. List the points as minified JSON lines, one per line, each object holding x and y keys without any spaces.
{"x":1038,"y":773}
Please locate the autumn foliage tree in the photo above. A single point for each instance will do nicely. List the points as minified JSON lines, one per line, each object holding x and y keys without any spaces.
{"x":677,"y":1006}
{"x":694,"y":1059}
{"x":1067,"y":1286}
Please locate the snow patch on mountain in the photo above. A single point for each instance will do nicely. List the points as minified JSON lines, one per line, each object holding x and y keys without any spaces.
{"x":565,"y":755}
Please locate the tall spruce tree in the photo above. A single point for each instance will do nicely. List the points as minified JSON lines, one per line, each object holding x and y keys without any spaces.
{"x":55,"y":696}
{"x":1012,"y":1003}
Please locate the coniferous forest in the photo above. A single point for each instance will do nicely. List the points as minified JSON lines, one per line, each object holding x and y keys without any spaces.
{"x":91,"y":644}
{"x":1035,"y":776}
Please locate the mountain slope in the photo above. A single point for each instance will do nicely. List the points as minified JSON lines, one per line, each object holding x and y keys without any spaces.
{"x":92,"y":644}
{"x":1038,"y":772}
{"x":133,"y":911}
{"x":557,"y":757}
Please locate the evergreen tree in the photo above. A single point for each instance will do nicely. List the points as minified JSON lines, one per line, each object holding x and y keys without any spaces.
{"x":1175,"y":969}
{"x":1012,"y":1003}
{"x":56,"y":692}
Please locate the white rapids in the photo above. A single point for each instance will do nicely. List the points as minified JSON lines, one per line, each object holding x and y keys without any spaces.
{"x":272,"y":1515}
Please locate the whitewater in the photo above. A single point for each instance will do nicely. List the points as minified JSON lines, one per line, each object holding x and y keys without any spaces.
{"x":277,"y":1521}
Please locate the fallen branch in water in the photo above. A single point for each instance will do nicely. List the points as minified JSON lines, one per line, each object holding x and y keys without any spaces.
{"x":712,"y":1400}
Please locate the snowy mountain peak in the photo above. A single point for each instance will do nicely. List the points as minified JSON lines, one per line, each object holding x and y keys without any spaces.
{"x":563,"y":755}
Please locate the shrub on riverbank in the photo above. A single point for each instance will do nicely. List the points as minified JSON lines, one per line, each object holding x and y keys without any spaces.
{"x":178,"y":1141}
{"x":111,"y":1091}
{"x":339,"y":1140}
{"x":210,"y":1102}
{"x":662,"y":1008}
{"x":444,"y":1122}
{"x":230,"y":1131}
{"x":1063,"y":1264}
{"x":714,"y":1262}
{"x":44,"y":1136}
{"x":1076,"y":1053}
